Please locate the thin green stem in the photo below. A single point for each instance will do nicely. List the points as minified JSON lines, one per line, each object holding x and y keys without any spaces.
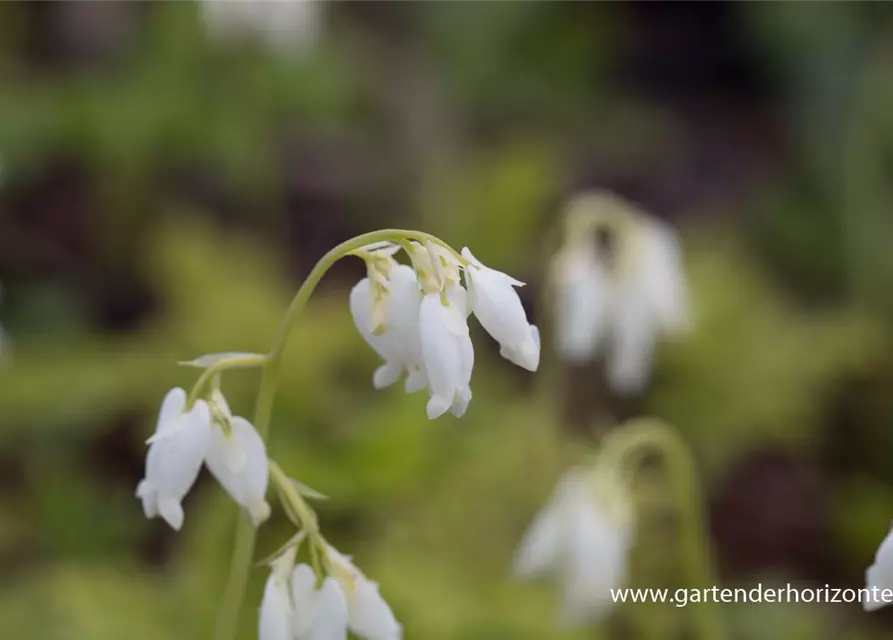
{"x":235,"y":362}
{"x":628,"y":445}
{"x":243,"y":548}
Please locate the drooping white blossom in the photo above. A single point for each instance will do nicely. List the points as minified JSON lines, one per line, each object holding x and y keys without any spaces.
{"x":495,"y":303}
{"x":175,"y":456}
{"x":581,"y":541}
{"x":369,"y":615}
{"x":237,"y":458}
{"x":447,"y":351}
{"x":617,"y":285}
{"x":400,"y":344}
{"x":287,"y":25}
{"x":879,"y":576}
{"x":317,"y":614}
{"x":276,"y":609}
{"x":230,"y":447}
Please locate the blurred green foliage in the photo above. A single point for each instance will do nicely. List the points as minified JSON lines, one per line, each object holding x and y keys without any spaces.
{"x":430,"y":510}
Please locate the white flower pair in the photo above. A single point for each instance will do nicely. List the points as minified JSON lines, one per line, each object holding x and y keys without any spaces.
{"x":293,"y":608}
{"x":582,"y":537}
{"x":185,"y":438}
{"x":416,"y":319}
{"x":617,"y":284}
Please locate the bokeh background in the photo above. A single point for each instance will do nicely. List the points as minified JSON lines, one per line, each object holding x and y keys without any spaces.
{"x":168,"y":175}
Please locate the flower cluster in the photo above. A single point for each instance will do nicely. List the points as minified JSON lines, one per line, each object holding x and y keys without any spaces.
{"x":617,"y":283}
{"x":416,"y":318}
{"x":296,"y":606}
{"x":582,"y":537}
{"x":207,"y":432}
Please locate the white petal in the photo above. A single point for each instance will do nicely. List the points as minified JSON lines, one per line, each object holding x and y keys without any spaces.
{"x":386,"y":375}
{"x":441,"y":354}
{"x":330,"y":613}
{"x":661,"y":276}
{"x":248,"y":485}
{"x":303,"y":590}
{"x":174,"y":461}
{"x":274,"y":621}
{"x":172,"y":512}
{"x":360,"y":309}
{"x":145,"y":491}
{"x":416,"y":380}
{"x":598,"y":552}
{"x":541,"y":548}
{"x":880,"y":574}
{"x":629,"y":363}
{"x":461,"y":401}
{"x":403,"y":342}
{"x":582,"y":300}
{"x":370,"y":616}
{"x":171,"y":408}
{"x":527,"y":355}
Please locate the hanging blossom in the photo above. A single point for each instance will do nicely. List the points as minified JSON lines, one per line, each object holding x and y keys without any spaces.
{"x":581,"y":538}
{"x":206,"y":433}
{"x":288,"y":26}
{"x":296,"y":606}
{"x":617,"y":284}
{"x":879,"y":577}
{"x":416,"y":319}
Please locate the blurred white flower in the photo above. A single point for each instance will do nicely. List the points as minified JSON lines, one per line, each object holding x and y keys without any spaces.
{"x":618,"y":284}
{"x":317,"y":614}
{"x":230,"y":447}
{"x":879,"y":576}
{"x":287,"y":25}
{"x":237,"y":458}
{"x":495,"y":303}
{"x":447,"y":351}
{"x":175,"y":456}
{"x":276,"y":609}
{"x":582,"y":538}
{"x":369,"y":616}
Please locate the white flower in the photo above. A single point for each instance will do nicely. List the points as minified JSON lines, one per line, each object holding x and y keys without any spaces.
{"x":175,"y":456}
{"x":879,"y":576}
{"x":318,"y":614}
{"x":237,"y":458}
{"x":230,"y":446}
{"x":582,"y":541}
{"x":400,"y":345}
{"x":618,"y":285}
{"x":494,"y":301}
{"x":276,"y":609}
{"x":447,"y":351}
{"x":369,"y":616}
{"x":286,"y":24}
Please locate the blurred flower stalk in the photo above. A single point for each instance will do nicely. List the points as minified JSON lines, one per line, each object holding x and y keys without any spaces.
{"x":416,"y":318}
{"x":584,"y":535}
